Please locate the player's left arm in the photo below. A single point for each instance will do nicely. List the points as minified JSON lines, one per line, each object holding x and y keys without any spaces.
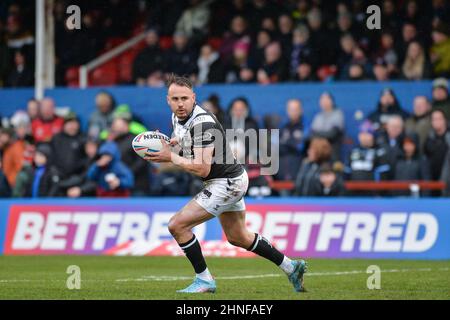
{"x":203,"y":137}
{"x":200,"y":164}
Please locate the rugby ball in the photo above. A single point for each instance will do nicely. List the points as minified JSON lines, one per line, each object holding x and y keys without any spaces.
{"x":149,"y":141}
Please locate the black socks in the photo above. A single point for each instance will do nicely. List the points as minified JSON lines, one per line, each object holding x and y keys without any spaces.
{"x":262,"y":247}
{"x":193,"y":252}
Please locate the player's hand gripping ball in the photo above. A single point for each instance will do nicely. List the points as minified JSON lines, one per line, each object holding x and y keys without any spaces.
{"x":149,"y":141}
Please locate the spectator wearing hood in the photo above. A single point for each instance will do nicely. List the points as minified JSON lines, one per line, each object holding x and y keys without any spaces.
{"x":411,"y":165}
{"x":329,"y":123}
{"x":40,"y":180}
{"x":441,"y":98}
{"x":437,"y":143}
{"x":120,"y":134}
{"x":388,"y":106}
{"x":420,"y":121}
{"x":239,"y":117}
{"x":48,"y":123}
{"x":113,"y":177}
{"x":102,"y":117}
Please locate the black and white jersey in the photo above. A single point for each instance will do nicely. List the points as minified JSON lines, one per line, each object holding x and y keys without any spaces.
{"x":201,"y":129}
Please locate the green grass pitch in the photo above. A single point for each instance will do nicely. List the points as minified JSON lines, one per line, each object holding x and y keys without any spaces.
{"x":157,"y":278}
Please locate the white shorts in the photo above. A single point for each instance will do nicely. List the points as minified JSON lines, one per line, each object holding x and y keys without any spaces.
{"x":223,"y":194}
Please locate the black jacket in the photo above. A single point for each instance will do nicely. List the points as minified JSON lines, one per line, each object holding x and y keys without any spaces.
{"x":394,"y":151}
{"x":337,"y":188}
{"x":182,"y":62}
{"x":5,"y":190}
{"x":48,"y":186}
{"x":68,"y":153}
{"x":139,"y":167}
{"x":149,"y":60}
{"x":368,"y":164}
{"x":436,"y":148}
{"x":307,"y":178}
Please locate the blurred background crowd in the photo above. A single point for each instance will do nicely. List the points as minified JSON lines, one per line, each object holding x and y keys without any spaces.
{"x":44,"y":151}
{"x":236,"y":41}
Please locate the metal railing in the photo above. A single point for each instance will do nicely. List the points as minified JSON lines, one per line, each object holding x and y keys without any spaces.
{"x":84,"y":69}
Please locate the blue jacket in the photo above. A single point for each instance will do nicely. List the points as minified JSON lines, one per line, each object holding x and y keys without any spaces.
{"x":116,"y":166}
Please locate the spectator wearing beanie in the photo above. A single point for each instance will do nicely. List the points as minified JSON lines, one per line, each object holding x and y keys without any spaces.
{"x":441,"y":98}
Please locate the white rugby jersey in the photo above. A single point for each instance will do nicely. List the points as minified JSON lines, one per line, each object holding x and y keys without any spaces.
{"x":201,"y":129}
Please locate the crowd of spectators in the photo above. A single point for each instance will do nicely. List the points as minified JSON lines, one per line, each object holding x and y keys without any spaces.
{"x":240,"y":41}
{"x":45,"y":153}
{"x":277,"y":41}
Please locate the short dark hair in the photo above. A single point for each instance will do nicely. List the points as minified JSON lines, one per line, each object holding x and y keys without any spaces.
{"x":179,"y":81}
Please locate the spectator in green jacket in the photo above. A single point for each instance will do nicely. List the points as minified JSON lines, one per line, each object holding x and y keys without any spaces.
{"x":123,"y":111}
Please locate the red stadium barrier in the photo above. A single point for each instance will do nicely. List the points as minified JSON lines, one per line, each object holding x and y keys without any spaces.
{"x":371,"y":185}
